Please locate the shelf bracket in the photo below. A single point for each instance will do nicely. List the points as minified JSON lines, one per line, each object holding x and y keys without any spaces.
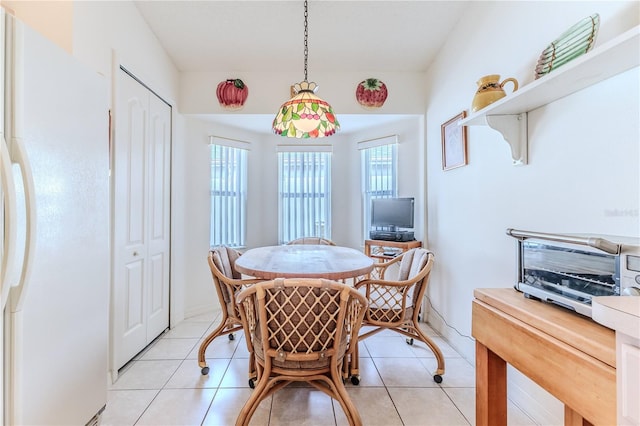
{"x":513,"y":128}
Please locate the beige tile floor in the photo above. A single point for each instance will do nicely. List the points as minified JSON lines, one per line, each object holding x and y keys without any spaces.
{"x":163,"y":386}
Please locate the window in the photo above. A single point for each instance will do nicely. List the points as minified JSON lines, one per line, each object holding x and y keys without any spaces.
{"x":379,"y":174}
{"x":304,"y":187}
{"x":228,"y":193}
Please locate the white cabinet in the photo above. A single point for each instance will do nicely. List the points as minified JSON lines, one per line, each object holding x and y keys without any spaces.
{"x":622,"y":313}
{"x":509,"y":115}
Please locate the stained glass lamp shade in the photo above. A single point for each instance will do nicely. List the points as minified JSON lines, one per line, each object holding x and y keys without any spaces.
{"x":305,"y":115}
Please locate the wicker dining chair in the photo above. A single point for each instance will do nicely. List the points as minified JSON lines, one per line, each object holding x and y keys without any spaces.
{"x":395,"y":304}
{"x":301,"y":330}
{"x":313,"y":240}
{"x":228,"y":282}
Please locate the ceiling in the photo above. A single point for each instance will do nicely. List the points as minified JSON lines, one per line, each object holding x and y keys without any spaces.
{"x":267,"y":36}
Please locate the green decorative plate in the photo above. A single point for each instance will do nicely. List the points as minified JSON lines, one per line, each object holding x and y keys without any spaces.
{"x":576,"y":41}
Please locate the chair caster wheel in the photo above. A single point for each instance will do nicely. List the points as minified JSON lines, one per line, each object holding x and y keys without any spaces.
{"x":231,"y":336}
{"x":409,"y":342}
{"x":355,"y":380}
{"x":437,"y":378}
{"x":205,"y":371}
{"x":252,"y":383}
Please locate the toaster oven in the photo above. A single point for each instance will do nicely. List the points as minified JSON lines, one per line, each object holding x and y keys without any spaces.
{"x":569,"y":269}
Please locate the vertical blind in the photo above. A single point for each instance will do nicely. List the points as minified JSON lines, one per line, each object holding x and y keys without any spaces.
{"x":228,"y":195}
{"x":379,"y":179}
{"x":304,"y":195}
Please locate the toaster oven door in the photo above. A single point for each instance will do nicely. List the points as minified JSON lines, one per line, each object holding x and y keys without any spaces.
{"x":567,"y":275}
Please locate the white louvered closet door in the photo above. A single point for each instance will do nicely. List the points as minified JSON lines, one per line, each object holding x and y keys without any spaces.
{"x":141,"y":212}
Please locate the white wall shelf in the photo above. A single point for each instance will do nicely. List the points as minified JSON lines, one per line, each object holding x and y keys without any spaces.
{"x":509,"y":115}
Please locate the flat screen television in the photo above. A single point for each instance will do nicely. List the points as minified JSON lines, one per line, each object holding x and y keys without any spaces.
{"x":392,"y":213}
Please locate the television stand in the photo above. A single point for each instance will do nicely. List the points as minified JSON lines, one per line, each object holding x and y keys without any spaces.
{"x":385,"y":250}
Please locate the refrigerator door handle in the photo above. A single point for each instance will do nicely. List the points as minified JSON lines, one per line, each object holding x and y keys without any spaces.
{"x":10,"y":233}
{"x":20,"y":290}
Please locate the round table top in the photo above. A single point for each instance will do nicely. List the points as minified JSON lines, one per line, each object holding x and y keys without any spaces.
{"x":304,"y":261}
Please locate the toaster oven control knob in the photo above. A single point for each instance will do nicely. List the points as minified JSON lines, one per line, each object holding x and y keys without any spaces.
{"x":631,"y":291}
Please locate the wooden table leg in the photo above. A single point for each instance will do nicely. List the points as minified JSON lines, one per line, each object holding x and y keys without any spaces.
{"x":573,"y":418}
{"x":491,"y":388}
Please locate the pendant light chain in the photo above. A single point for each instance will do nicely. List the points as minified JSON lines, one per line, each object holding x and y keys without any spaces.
{"x":306,"y":36}
{"x":305,"y":115}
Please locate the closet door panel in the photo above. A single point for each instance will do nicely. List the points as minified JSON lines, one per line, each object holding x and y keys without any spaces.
{"x":129,"y":220}
{"x":159,"y":231}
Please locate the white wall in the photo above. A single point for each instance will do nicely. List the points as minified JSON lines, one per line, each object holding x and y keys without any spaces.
{"x":107,"y":34}
{"x":194,"y":205}
{"x":104,"y":28}
{"x":583,"y":162}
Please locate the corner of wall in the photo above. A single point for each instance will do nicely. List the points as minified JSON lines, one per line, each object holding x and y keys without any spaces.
{"x":463,"y":344}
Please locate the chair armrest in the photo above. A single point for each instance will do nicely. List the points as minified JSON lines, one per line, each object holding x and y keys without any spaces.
{"x":423,"y":273}
{"x":387,"y":283}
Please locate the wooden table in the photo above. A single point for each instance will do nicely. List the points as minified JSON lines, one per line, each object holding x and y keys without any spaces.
{"x":569,"y":355}
{"x":304,"y":261}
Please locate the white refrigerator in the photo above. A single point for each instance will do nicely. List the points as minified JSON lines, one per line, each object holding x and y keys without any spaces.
{"x":55,"y":234}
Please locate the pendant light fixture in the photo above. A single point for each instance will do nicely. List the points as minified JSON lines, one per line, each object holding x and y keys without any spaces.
{"x":305,"y":115}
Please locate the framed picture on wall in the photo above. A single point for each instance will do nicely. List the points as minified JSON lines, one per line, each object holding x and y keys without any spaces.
{"x":454,"y":143}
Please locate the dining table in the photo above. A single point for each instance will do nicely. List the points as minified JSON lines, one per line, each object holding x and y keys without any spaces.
{"x":304,"y":261}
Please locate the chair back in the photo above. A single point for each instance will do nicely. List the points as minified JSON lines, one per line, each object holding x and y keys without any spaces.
{"x":413,"y":264}
{"x":391,"y":302}
{"x":304,"y":322}
{"x":222,"y":261}
{"x":312,"y":240}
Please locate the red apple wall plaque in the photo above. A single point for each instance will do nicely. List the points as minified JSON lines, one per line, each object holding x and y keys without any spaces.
{"x":232,"y":94}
